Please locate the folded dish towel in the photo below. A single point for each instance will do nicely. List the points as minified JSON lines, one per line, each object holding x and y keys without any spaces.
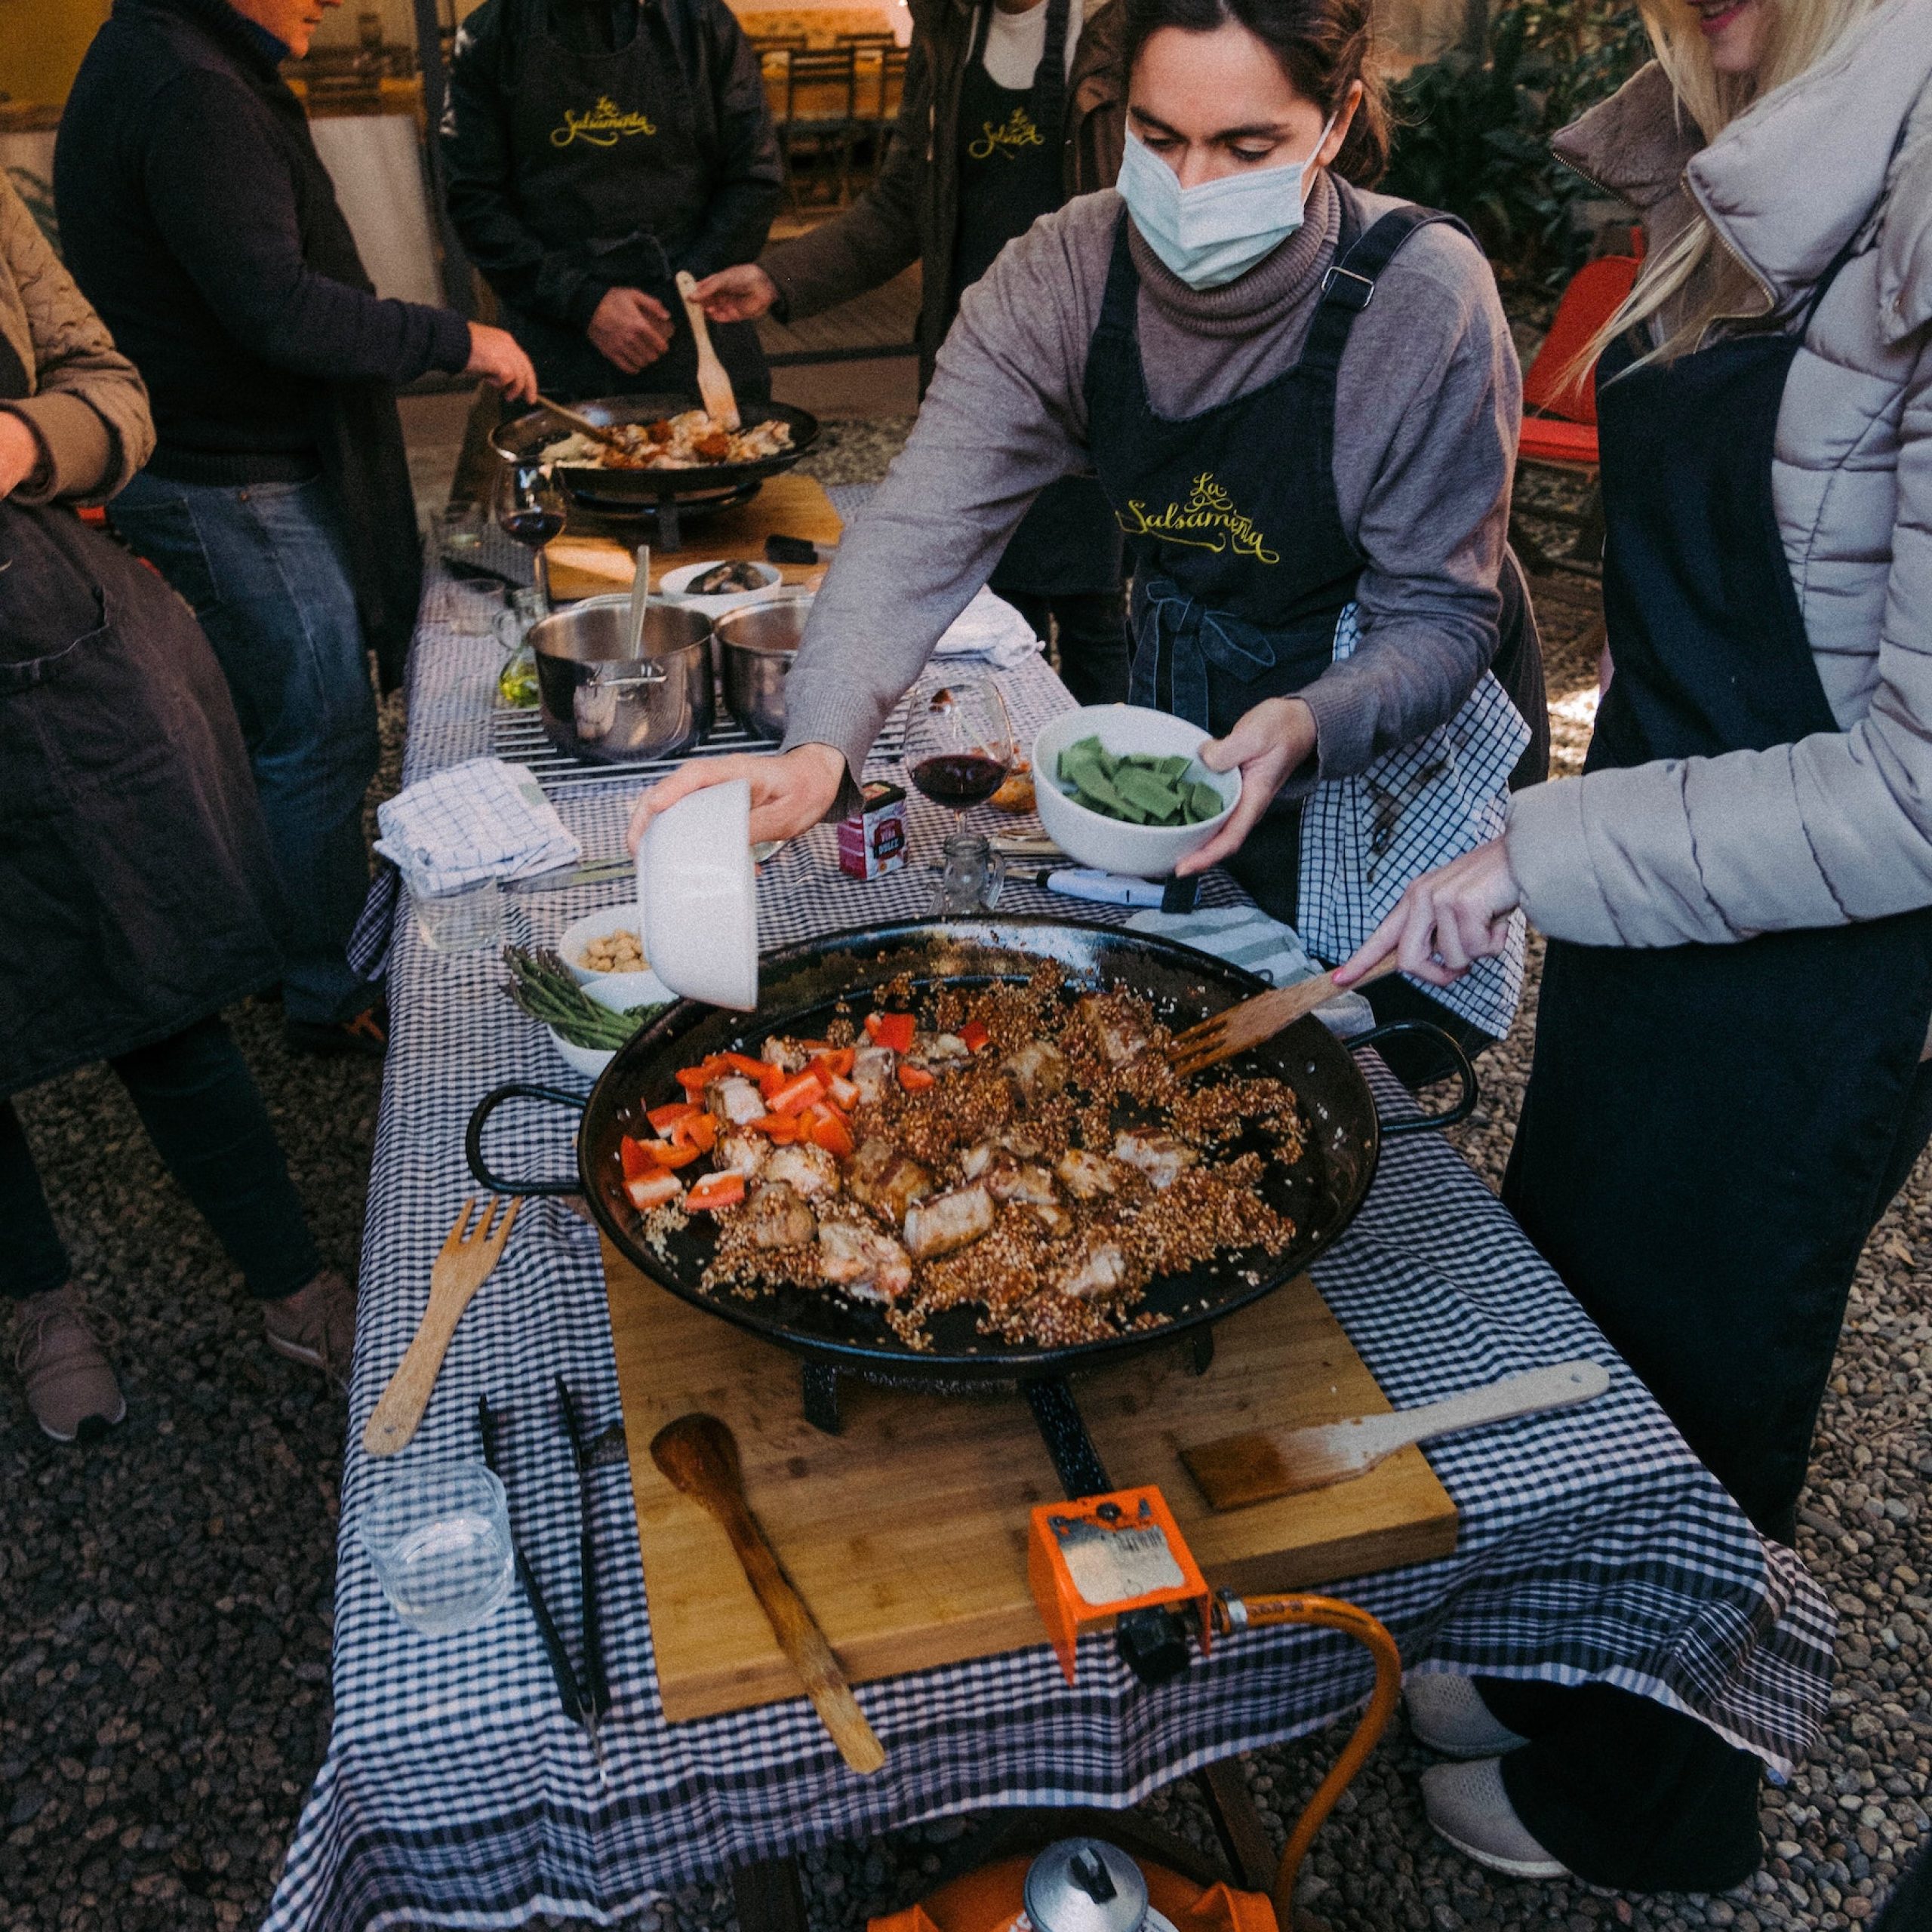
{"x":485,"y":819}
{"x":991,"y":628}
{"x":1245,"y":936}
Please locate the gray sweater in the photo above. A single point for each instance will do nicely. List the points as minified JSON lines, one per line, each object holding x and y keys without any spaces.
{"x":1427,"y":406}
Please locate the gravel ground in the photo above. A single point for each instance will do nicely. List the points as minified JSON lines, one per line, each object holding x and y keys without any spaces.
{"x":164,"y":1596}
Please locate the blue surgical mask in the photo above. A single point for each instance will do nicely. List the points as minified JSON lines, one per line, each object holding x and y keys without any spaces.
{"x":1215,"y":230}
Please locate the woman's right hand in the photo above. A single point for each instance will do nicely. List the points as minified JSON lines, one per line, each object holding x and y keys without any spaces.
{"x":499,"y":358}
{"x":790,"y":793}
{"x":740,"y":294}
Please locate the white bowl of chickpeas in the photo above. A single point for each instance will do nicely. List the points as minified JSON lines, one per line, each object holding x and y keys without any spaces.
{"x":604,"y":943}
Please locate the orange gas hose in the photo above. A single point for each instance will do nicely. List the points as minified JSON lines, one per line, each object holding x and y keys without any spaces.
{"x":1232,"y":1613}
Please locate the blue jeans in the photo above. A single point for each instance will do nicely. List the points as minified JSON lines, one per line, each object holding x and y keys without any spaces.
{"x":265,"y":567}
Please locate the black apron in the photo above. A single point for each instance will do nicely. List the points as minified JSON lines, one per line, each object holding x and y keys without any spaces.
{"x":1709,"y":1130}
{"x":608,"y":167}
{"x":1010,"y":173}
{"x":1241,"y":566}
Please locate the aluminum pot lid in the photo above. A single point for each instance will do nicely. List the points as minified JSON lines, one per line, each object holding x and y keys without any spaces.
{"x":1085,"y":1885}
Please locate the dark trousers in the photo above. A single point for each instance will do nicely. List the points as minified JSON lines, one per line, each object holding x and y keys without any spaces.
{"x":1090,"y":627}
{"x":1625,"y":1792}
{"x":204,"y":1114}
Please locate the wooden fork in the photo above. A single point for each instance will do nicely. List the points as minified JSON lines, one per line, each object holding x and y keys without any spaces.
{"x":1247,"y":1024}
{"x":462,"y":1268}
{"x":713,"y":385}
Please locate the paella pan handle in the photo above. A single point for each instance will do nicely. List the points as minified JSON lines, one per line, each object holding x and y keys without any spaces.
{"x":1459,"y":1064}
{"x":473,"y":1140}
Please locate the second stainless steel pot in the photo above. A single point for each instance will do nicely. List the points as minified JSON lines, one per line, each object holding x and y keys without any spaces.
{"x":600,"y":703}
{"x":757,"y":643}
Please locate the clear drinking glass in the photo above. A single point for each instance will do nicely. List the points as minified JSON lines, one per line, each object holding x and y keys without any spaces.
{"x":439,"y":1538}
{"x":959,"y":749}
{"x":466,"y":919}
{"x":459,"y":527}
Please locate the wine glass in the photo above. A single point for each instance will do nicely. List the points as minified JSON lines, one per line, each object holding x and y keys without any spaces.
{"x":531,"y":510}
{"x":959,"y":749}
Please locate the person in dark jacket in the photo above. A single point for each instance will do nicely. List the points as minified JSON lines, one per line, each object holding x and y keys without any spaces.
{"x":140,"y":895}
{"x":198,"y":220}
{"x":1010,"y":107}
{"x":594,"y":148}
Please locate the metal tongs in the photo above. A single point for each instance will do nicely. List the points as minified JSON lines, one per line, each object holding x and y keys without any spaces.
{"x":586,"y":1700}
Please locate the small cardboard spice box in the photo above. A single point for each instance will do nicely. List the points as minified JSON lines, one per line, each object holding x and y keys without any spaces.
{"x":872,"y":840}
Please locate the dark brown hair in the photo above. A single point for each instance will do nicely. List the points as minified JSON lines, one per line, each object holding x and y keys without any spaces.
{"x":1324,"y":46}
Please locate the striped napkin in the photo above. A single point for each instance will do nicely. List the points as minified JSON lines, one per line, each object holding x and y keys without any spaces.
{"x":484,"y":819}
{"x":1245,"y":937}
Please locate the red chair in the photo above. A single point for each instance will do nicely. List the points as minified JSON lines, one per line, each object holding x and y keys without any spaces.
{"x":1559,"y":410}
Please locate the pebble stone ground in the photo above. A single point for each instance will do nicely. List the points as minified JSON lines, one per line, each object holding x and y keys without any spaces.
{"x":165,"y":1595}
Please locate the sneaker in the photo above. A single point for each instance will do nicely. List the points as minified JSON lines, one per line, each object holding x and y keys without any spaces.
{"x":69,"y":1381}
{"x":1468,"y":1805}
{"x":316,"y":1327}
{"x":365,"y":1036}
{"x":1448,"y":1715}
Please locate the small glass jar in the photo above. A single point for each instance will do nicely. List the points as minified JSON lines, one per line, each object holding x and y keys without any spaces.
{"x":970,"y":876}
{"x":516,"y":681}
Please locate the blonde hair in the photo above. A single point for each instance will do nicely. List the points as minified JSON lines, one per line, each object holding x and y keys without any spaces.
{"x":1797,"y":35}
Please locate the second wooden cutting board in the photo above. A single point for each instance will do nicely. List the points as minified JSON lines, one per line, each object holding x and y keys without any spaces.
{"x":907,"y":1533}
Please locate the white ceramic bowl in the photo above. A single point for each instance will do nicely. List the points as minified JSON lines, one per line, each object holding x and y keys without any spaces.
{"x":1140,"y":851}
{"x":619,"y":917}
{"x":671,"y":584}
{"x":620,"y":991}
{"x":698,"y":894}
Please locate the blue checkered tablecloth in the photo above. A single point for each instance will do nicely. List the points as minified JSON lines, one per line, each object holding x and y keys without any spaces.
{"x":1592,"y":1544}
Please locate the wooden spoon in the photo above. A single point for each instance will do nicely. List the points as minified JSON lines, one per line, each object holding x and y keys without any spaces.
{"x":700,"y":1455}
{"x":1249,"y":1022}
{"x":597,"y":432}
{"x":713,"y":385}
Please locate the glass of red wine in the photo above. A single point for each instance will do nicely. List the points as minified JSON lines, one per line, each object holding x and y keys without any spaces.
{"x":959,"y":750}
{"x":530,"y":508}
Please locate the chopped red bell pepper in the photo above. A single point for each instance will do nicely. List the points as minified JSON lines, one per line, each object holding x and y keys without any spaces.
{"x":771,"y":1079}
{"x":795,"y":1096}
{"x":917,"y":1079}
{"x":841,"y":1093}
{"x":716,"y":1191}
{"x":652,"y":1189}
{"x":665,"y":1119}
{"x":827,"y":1127}
{"x":975,"y":1036}
{"x":637,"y":1158}
{"x":834,"y":1063}
{"x":674,"y":1153}
{"x":700,"y":1131}
{"x":782,"y":1128}
{"x":891,"y":1029}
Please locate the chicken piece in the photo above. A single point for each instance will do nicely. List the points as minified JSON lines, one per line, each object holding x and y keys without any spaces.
{"x":1100,"y":1271}
{"x":1159,"y":1156}
{"x":1086,"y":1176}
{"x":886,"y":1181}
{"x":738,"y":1153}
{"x":1038,"y":1070}
{"x":735,"y":1100}
{"x":778,"y":1217}
{"x":977,"y":1159}
{"x":1051,"y":1216}
{"x":1118,"y":1030}
{"x":810,"y":1170}
{"x":872,"y":1069}
{"x":948,"y":1221}
{"x":938,"y":1049}
{"x":863,"y":1262}
{"x":1023,"y":1181}
{"x":787,"y":1055}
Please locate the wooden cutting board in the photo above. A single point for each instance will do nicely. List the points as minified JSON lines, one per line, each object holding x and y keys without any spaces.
{"x":586,"y":565}
{"x":907,"y":1533}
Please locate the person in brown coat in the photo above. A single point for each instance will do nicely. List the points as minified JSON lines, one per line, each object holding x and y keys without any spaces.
{"x":139,"y":892}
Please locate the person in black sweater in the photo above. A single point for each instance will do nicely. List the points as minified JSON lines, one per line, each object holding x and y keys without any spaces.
{"x":593,"y":149}
{"x":198,"y":220}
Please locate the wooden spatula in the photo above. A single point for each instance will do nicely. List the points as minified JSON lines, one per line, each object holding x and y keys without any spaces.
{"x":1250,"y":1022}
{"x":713,"y":385}
{"x":700,"y":1454}
{"x":460,"y":1268}
{"x":597,"y":432}
{"x":1237,"y":1470}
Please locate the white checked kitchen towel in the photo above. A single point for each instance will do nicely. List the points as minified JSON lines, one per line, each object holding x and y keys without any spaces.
{"x":991,"y":628}
{"x":1245,"y":936}
{"x":484,"y":819}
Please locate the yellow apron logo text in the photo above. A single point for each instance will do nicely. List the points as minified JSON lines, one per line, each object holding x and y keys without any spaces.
{"x":603,"y":126}
{"x":1207,"y":520}
{"x":1018,"y":133}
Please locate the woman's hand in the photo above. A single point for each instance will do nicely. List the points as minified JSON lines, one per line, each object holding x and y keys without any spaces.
{"x":1447,"y":920}
{"x":740,"y":294}
{"x":498,"y":358}
{"x":20,"y":452}
{"x":790,"y":793}
{"x":1269,"y":744}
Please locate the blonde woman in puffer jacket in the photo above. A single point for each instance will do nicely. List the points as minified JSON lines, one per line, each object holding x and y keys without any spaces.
{"x":1730,"y":1079}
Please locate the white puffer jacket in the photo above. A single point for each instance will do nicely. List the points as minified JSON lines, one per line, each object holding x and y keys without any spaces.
{"x":1838,"y":826}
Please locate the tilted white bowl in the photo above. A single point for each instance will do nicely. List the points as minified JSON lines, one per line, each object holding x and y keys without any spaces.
{"x":1113,"y":845}
{"x":698,"y":894}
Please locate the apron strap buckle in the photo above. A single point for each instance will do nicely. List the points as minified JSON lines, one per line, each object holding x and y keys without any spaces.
{"x":1356,"y":297}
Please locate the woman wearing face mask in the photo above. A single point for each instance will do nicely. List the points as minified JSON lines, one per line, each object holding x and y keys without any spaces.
{"x":1313,"y":484}
{"x":1730,"y":1080}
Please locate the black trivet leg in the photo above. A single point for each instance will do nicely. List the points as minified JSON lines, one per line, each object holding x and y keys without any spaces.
{"x":669,"y":538}
{"x":821,"y":1393}
{"x":1075,"y":1460}
{"x":769,"y":1895}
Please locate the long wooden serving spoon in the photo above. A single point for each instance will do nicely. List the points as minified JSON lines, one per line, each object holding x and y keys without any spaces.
{"x":713,"y":385}
{"x":700,"y":1455}
{"x":597,"y":432}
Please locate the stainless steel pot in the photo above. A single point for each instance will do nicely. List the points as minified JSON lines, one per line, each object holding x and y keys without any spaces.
{"x":758,"y":642}
{"x":598,"y":703}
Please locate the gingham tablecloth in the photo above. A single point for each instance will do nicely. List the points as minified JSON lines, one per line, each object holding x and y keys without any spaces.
{"x":1592,"y":1544}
